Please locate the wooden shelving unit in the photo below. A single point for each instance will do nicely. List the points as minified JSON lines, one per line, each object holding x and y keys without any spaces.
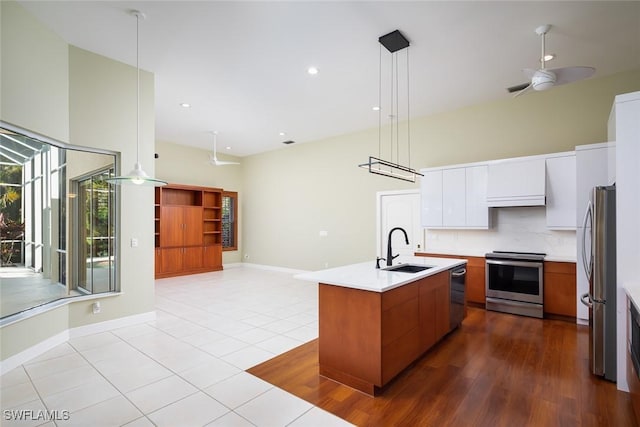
{"x":188,"y":230}
{"x":156,"y":208}
{"x":212,"y":217}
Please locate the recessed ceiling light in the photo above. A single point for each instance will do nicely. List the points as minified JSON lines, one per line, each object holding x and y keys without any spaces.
{"x":228,"y":148}
{"x":185,"y":105}
{"x":283,"y":133}
{"x":549,"y":57}
{"x":312,"y":70}
{"x":376,"y":108}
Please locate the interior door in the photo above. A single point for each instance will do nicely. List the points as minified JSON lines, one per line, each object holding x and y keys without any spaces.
{"x":399,"y":209}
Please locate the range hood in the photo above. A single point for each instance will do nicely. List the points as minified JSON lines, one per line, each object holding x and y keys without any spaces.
{"x":516,"y":182}
{"x":516,"y":201}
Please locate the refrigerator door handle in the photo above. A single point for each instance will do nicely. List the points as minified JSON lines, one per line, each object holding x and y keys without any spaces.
{"x":586,"y":300}
{"x":586,"y":263}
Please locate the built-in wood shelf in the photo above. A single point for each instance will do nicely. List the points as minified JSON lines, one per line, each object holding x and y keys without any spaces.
{"x":188,"y":230}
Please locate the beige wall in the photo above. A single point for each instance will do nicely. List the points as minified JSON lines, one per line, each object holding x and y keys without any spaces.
{"x":25,"y":81}
{"x":34,"y":71}
{"x":103,"y":115}
{"x":293,"y":193}
{"x":85,"y":100}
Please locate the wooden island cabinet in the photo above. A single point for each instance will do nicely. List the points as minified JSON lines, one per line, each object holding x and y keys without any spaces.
{"x":188,"y":230}
{"x":366,"y":338}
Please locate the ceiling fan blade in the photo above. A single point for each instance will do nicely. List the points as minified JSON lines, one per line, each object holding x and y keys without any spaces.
{"x":526,"y":89}
{"x":572,"y":74}
{"x":213,"y":161}
{"x":518,"y":88}
{"x":213,"y":157}
{"x":223,"y":163}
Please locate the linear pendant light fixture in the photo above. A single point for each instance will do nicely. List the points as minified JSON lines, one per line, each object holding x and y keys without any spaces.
{"x":393,"y":42}
{"x":137,"y":176}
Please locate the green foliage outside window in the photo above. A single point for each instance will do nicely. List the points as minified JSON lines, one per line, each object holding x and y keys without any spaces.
{"x":11,"y":225}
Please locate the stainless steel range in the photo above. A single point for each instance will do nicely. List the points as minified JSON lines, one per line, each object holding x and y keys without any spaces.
{"x":514,"y":282}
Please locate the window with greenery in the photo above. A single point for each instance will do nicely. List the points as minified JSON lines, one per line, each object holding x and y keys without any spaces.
{"x":229,"y":221}
{"x":96,"y":232}
{"x":11,"y":224}
{"x":57,"y":237}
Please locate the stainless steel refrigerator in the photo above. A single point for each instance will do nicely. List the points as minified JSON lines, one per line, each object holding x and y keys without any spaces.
{"x":599,"y":257}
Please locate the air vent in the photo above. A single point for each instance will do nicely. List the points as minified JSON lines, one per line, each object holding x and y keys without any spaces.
{"x":288,"y":142}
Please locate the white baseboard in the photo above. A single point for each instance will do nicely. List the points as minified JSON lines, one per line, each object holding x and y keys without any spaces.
{"x":24,"y":356}
{"x":273,"y":268}
{"x":42,"y":347}
{"x":109,"y":325}
{"x":232,"y":265}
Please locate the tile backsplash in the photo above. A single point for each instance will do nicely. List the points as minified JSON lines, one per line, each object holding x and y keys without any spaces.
{"x":522,"y":229}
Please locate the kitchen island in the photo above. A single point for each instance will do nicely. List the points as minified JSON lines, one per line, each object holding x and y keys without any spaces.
{"x":373,"y":323}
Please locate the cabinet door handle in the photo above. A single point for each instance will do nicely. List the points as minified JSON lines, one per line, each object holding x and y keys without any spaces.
{"x":459,"y":273}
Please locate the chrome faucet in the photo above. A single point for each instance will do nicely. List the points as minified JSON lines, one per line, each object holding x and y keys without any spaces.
{"x":390,"y":256}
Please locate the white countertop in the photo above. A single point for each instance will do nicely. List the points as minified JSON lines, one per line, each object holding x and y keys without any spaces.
{"x":552,"y":258}
{"x":559,"y":258}
{"x":365,"y":276}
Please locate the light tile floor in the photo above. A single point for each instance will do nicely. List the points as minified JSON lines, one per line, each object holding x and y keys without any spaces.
{"x":187,"y":368}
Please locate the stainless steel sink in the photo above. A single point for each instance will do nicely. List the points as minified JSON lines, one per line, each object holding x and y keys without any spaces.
{"x":408,"y":268}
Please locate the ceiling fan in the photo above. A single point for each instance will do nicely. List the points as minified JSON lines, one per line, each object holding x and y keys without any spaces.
{"x":213,"y":157}
{"x":543,"y":79}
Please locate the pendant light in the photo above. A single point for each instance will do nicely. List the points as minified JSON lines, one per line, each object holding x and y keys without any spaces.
{"x":393,"y":42}
{"x":137,"y":176}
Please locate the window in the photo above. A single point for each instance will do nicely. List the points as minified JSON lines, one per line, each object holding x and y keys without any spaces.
{"x":39,"y":187}
{"x":94,"y":232}
{"x":229,"y":221}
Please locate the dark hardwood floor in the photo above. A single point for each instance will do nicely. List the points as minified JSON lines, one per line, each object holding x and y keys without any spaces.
{"x":496,"y":370}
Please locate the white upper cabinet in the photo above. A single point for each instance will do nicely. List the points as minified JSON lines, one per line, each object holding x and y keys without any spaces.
{"x":517,"y":182}
{"x":611,"y":163}
{"x":455,"y":198}
{"x":561,"y":192}
{"x":592,"y":168}
{"x":476,"y":197}
{"x":431,"y":198}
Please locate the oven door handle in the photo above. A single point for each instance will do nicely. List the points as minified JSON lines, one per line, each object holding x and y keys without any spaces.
{"x":515,"y":263}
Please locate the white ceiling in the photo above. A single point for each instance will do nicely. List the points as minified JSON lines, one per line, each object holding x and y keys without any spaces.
{"x":242,"y":65}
